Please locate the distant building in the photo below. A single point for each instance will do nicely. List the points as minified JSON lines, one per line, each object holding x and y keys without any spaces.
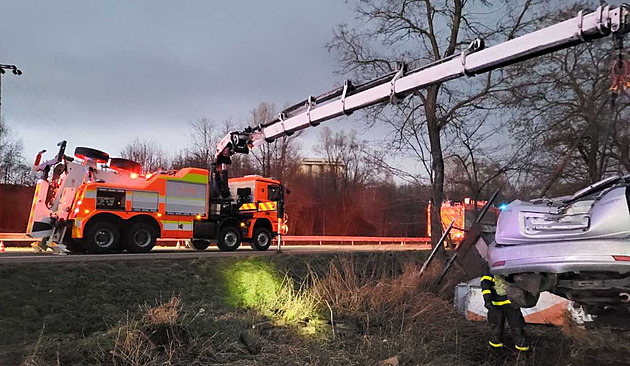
{"x":316,"y":166}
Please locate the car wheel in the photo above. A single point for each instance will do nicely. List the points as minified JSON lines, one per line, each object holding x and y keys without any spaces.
{"x":89,"y":153}
{"x":125,"y":164}
{"x":102,"y":237}
{"x":199,"y":244}
{"x":229,"y":239}
{"x":140,"y":238}
{"x":261,"y":239}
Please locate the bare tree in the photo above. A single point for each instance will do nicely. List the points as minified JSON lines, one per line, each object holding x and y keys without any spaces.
{"x":280,"y":158}
{"x":149,"y":154}
{"x":13,"y":169}
{"x":203,"y":142}
{"x":421,"y":32}
{"x":481,"y":157}
{"x":347,"y":158}
{"x":568,"y":113}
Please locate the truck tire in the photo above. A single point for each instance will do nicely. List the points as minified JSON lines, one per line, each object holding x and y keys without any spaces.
{"x":125,"y":164}
{"x":89,"y":153}
{"x":102,"y":237}
{"x":140,"y":238}
{"x":74,"y":245}
{"x":199,"y":244}
{"x":261,"y":240}
{"x":229,"y":239}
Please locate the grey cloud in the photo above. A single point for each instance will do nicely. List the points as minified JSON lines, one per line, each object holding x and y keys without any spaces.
{"x":104,"y":71}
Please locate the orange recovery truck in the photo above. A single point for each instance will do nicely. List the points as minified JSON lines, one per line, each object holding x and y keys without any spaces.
{"x":97,"y":204}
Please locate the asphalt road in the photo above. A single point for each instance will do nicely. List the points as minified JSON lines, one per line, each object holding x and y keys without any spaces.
{"x":26,"y":255}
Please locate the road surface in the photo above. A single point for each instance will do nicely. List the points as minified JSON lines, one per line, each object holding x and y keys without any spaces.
{"x":26,"y":255}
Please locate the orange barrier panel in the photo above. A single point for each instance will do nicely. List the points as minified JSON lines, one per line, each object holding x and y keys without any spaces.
{"x":15,"y":206}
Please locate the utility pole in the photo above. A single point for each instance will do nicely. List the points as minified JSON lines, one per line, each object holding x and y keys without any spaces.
{"x":16,"y":72}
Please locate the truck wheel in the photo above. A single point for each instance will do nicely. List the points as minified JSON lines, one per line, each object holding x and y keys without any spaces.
{"x":74,"y":245}
{"x":261,"y":239}
{"x":140,"y":238}
{"x":89,"y":153}
{"x":125,"y":164}
{"x":229,"y":239}
{"x":199,"y":244}
{"x":102,"y":237}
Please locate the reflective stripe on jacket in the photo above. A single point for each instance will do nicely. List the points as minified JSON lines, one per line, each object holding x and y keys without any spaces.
{"x":493,"y":290}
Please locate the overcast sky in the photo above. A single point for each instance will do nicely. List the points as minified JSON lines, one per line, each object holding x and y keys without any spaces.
{"x":99,"y":73}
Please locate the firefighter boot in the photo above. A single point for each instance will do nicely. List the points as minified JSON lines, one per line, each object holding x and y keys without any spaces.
{"x":519,"y":337}
{"x":497,"y":321}
{"x":495,"y":343}
{"x":496,"y":339}
{"x":516,"y":324}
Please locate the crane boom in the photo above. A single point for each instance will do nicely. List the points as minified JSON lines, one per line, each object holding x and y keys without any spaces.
{"x":474,"y":60}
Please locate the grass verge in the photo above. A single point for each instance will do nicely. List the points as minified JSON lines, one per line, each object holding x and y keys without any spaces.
{"x":360,"y":309}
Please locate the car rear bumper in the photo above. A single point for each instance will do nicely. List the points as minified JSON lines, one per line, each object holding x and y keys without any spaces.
{"x":561,"y":257}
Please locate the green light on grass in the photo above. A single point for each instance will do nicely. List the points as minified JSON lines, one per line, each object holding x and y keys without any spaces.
{"x":256,"y":284}
{"x":252,"y":284}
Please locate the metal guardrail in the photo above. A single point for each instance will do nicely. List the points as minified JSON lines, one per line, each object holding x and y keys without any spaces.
{"x":19,"y":239}
{"x":353,"y":240}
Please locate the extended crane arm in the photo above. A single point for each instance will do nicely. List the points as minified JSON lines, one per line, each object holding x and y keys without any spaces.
{"x":476,"y":59}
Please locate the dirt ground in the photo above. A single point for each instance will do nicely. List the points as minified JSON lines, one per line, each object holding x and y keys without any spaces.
{"x":352,"y":309}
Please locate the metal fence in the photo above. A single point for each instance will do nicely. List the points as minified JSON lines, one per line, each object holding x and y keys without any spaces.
{"x":19,"y":240}
{"x":351,"y":240}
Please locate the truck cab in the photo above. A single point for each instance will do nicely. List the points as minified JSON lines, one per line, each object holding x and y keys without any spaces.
{"x":253,"y":213}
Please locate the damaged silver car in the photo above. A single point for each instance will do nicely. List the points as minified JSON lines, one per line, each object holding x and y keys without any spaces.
{"x":576,"y":246}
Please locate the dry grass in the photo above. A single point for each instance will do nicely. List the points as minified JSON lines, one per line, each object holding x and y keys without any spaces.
{"x":395,"y":314}
{"x":167,"y":313}
{"x":396,"y":302}
{"x":367,"y":314}
{"x":160,"y":337}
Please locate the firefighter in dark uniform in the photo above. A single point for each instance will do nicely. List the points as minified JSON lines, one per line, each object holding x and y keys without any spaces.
{"x":500,"y":309}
